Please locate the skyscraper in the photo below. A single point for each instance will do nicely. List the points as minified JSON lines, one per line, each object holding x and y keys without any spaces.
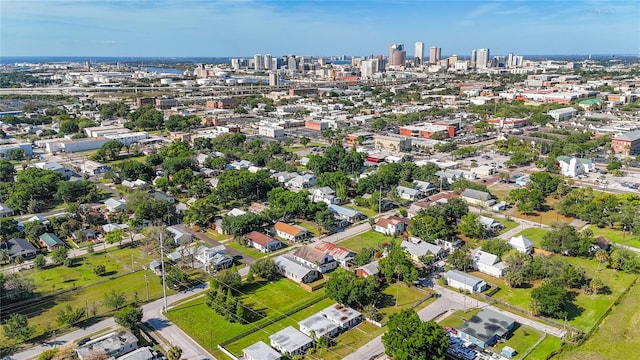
{"x":482,"y":58}
{"x":434,"y":55}
{"x":418,"y":52}
{"x":268,"y":62}
{"x":473,"y":58}
{"x":258,"y":65}
{"x":397,"y":55}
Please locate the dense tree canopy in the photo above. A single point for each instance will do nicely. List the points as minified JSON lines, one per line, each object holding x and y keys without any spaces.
{"x":346,"y":288}
{"x":409,"y":338}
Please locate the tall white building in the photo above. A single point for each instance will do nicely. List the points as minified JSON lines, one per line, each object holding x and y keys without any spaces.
{"x":434,"y":55}
{"x":268,"y":62}
{"x":257,"y":62}
{"x":472,"y":61}
{"x":482,"y":58}
{"x":418,"y":52}
{"x":368,"y":68}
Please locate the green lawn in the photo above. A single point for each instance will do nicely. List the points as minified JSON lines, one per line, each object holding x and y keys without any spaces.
{"x":349,"y":341}
{"x":217,"y":236}
{"x":312,"y":227}
{"x":364,"y":210}
{"x":616,"y":236}
{"x":369,"y":239}
{"x":265,"y":300}
{"x":249,"y":251}
{"x":508,"y":224}
{"x":521,"y":340}
{"x":546,"y":347}
{"x":458,"y":318}
{"x":533,"y":234}
{"x":618,"y":337}
{"x":406,"y":296}
{"x":140,"y":159}
{"x":587,"y":309}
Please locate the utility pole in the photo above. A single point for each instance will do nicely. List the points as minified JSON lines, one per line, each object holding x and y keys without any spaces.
{"x":164,"y":283}
{"x":132,"y":268}
{"x":146,"y":281}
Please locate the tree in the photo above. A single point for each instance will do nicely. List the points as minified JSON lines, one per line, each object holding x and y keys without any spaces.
{"x":7,"y":170}
{"x":17,"y":327}
{"x":111,"y":149}
{"x":470,"y":226}
{"x":496,"y":247}
{"x":227,"y":279}
{"x":99,"y":270}
{"x":624,"y":260}
{"x":59,"y":255}
{"x":174,"y":353}
{"x":602,"y":256}
{"x":565,"y":239}
{"x":114,"y":299}
{"x":114,"y":236}
{"x":265,"y":268}
{"x":346,"y":288}
{"x":397,"y":265}
{"x":325,"y":219}
{"x":409,"y":338}
{"x":129,"y":316}
{"x":614,"y":165}
{"x":176,"y":278}
{"x":461,"y":258}
{"x":431,"y":225}
{"x":39,"y":261}
{"x":241,"y":224}
{"x":550,"y":300}
{"x":304,"y":141}
{"x":69,"y":315}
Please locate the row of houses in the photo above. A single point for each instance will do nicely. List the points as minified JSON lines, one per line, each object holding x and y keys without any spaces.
{"x":309,"y":262}
{"x":328,"y":322}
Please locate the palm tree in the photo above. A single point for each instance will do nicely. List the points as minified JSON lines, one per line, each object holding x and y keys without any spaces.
{"x":602,"y":256}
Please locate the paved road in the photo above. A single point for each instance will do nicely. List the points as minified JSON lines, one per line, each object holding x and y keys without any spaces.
{"x":448,"y":302}
{"x":152,"y":317}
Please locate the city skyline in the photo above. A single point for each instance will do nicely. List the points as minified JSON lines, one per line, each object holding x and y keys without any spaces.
{"x":243,"y":28}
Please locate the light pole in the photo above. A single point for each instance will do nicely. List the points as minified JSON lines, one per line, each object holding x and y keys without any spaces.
{"x":164,"y":282}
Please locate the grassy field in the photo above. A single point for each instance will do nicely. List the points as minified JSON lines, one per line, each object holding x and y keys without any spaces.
{"x":616,"y":236}
{"x":217,"y":236}
{"x":458,"y":318}
{"x":348,"y":341}
{"x":618,"y":337}
{"x":546,"y":347}
{"x":546,"y":217}
{"x":364,"y":210}
{"x":312,"y":227}
{"x":140,"y":159}
{"x":586,"y":309}
{"x":249,"y":251}
{"x":508,"y":224}
{"x":369,"y":239}
{"x":78,"y":286}
{"x":264,"y":301}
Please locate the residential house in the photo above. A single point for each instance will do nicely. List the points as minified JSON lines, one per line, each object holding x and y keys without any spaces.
{"x":214,"y":258}
{"x":416,"y":207}
{"x":522,"y":244}
{"x":341,"y":254}
{"x":603,"y":243}
{"x":409,"y":193}
{"x":290,"y":341}
{"x":302,"y":181}
{"x":488,"y":263}
{"x":156,"y":267}
{"x":342,"y":315}
{"x":463,"y":281}
{"x":450,"y":244}
{"x":486,"y":328}
{"x":137,"y":184}
{"x":107,"y":228}
{"x":317,"y":325}
{"x":284,"y":176}
{"x":160,"y":196}
{"x":262,"y":242}
{"x":370,"y":269}
{"x":239,"y":165}
{"x":19,"y":248}
{"x":290,"y":232}
{"x":113,"y":204}
{"x":417,"y":249}
{"x":51,"y":241}
{"x":144,"y":353}
{"x":113,"y":344}
{"x":258,"y":208}
{"x":180,"y":236}
{"x":39,"y":218}
{"x":236,"y":212}
{"x":291,"y":269}
{"x":324,"y":194}
{"x":477,"y":197}
{"x":490,"y":224}
{"x":260,"y":351}
{"x":573,"y":166}
{"x":5,"y":211}
{"x":345,"y":213}
{"x":391,"y":225}
{"x":315,"y":259}
{"x":425,"y":187}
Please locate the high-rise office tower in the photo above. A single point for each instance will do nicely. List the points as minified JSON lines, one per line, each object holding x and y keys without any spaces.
{"x":509,"y":63}
{"x":273,"y":78}
{"x":453,"y":59}
{"x":473,"y":58}
{"x":368,"y":68}
{"x":258,"y":64}
{"x":482,"y":58}
{"x":397,"y":55}
{"x":418,"y":52}
{"x":434,"y":55}
{"x":268,"y":62}
{"x":292,"y":63}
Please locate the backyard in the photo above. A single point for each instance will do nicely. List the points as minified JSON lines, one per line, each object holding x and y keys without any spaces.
{"x":616,"y":235}
{"x":369,"y":239}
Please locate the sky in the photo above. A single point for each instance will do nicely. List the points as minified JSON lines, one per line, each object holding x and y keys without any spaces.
{"x":241,"y":28}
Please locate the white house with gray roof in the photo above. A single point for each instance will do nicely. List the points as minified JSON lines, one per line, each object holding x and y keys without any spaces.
{"x":477,"y":197}
{"x":488,"y":263}
{"x":463,"y":281}
{"x":260,"y":351}
{"x":296,"y":271}
{"x":291,"y":341}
